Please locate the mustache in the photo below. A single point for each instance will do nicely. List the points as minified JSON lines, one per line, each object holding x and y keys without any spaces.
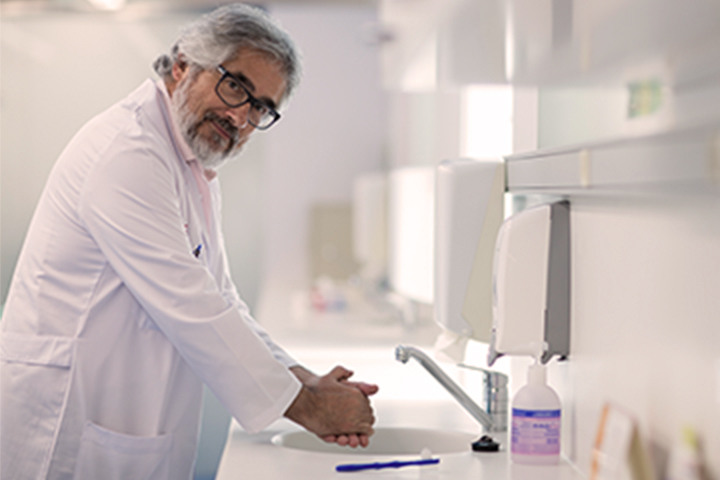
{"x":225,"y":124}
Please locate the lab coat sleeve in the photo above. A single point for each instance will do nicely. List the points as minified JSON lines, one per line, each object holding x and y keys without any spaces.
{"x":131,"y":206}
{"x":230,"y":292}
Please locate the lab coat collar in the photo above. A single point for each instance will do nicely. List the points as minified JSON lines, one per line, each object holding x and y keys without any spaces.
{"x":178,"y":138}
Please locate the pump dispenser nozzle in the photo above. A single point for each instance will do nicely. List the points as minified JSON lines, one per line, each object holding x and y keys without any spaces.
{"x":536,"y":374}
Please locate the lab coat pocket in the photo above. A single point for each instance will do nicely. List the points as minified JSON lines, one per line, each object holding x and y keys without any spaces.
{"x":113,"y":456}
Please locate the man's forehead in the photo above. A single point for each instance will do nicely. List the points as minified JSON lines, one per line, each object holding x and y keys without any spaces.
{"x":258,"y":70}
{"x":246,"y":55}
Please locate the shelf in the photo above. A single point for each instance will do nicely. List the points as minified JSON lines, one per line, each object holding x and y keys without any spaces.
{"x":679,"y":161}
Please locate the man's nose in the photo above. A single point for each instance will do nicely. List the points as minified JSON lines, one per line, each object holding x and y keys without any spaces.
{"x":239,"y":115}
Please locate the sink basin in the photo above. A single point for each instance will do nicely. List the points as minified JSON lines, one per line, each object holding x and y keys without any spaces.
{"x":385,"y":441}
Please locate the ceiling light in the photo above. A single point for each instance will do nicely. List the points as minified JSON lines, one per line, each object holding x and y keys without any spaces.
{"x":107,"y":4}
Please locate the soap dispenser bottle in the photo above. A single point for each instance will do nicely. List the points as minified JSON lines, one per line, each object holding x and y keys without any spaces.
{"x":536,"y":421}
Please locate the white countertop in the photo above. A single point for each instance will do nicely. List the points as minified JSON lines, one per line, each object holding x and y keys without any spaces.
{"x":408,"y":397}
{"x":256,"y":457}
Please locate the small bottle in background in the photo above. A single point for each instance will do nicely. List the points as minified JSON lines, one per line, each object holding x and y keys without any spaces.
{"x":686,"y":459}
{"x":536,"y":416}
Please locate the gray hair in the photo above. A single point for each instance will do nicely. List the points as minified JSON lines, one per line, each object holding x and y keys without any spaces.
{"x":217,"y":36}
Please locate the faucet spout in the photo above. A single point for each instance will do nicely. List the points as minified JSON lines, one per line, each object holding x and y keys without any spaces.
{"x":495,"y":422}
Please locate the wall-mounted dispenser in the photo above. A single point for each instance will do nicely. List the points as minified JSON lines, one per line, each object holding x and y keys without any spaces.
{"x":531,"y":284}
{"x":468,"y":214}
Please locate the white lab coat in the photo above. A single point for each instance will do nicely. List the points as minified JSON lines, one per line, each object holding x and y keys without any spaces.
{"x":112,"y":324}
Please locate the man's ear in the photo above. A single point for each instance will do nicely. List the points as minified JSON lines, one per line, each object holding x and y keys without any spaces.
{"x":179,"y":68}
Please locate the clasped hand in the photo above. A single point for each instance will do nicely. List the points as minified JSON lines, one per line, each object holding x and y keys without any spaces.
{"x":334,"y":408}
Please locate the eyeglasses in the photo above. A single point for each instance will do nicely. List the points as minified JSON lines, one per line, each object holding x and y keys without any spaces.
{"x":234,"y":94}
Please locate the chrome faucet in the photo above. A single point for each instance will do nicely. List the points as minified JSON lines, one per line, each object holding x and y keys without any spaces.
{"x":494,"y":416}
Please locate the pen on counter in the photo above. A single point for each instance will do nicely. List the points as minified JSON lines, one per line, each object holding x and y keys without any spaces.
{"x":196,"y":252}
{"x":354,"y":467}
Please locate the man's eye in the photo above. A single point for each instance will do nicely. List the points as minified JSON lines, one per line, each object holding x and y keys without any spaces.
{"x":260,"y":108}
{"x":233,"y":85}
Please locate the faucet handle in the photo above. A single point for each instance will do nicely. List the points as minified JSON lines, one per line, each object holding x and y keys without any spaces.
{"x":495,"y":396}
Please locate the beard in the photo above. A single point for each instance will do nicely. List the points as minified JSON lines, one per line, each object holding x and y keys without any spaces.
{"x":208,"y":151}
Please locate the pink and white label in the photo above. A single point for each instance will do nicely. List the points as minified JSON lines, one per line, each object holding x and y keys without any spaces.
{"x":535,"y":432}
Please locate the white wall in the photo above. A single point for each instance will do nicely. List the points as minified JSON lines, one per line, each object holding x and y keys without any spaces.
{"x":333,"y":130}
{"x":645,"y":329}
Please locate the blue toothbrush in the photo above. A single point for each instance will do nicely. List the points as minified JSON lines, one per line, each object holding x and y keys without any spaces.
{"x":354,"y":467}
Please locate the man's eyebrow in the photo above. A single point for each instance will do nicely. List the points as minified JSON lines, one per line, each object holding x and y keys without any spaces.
{"x":251,"y":86}
{"x":269,"y":102}
{"x":240,"y":76}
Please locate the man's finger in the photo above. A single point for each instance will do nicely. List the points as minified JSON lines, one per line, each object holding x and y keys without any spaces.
{"x":366,"y":388}
{"x":365,"y":429}
{"x":340,"y":373}
{"x":352,"y":440}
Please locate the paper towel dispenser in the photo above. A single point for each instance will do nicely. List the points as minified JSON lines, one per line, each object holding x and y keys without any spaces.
{"x":531,"y":284}
{"x":468,"y":213}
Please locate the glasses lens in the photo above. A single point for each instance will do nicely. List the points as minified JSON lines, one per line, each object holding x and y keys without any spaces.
{"x":261,"y":115}
{"x":232,"y":92}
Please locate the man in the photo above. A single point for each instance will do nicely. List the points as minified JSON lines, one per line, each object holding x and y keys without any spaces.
{"x":122,"y":304}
